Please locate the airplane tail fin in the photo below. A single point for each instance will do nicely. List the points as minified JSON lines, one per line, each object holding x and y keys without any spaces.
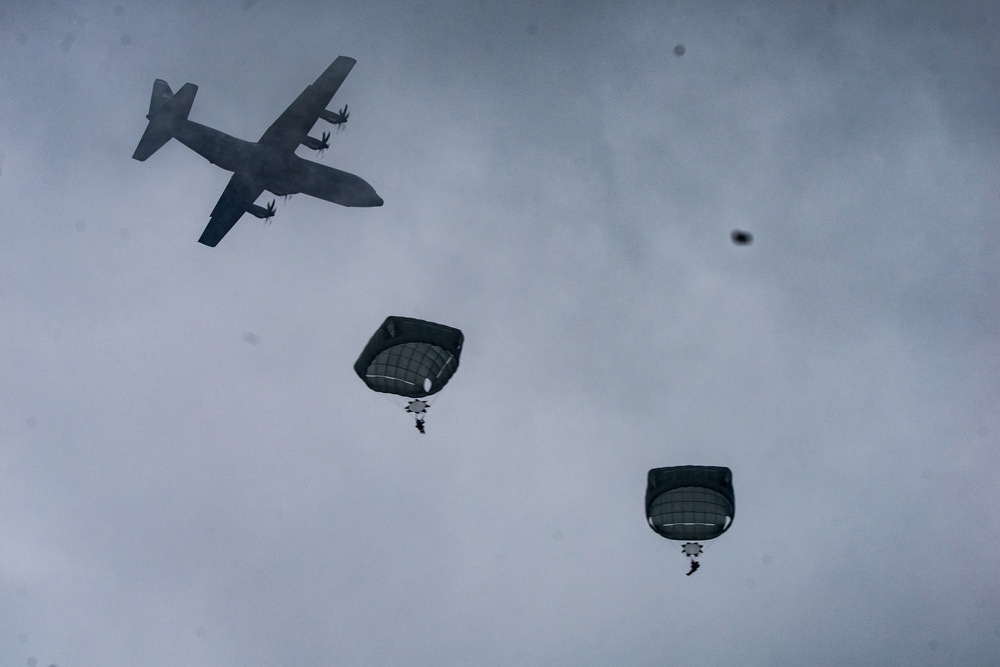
{"x":166,"y":111}
{"x":161,"y":95}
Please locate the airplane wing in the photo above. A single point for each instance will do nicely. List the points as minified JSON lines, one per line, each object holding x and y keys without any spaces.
{"x":293,"y":125}
{"x":239,"y":195}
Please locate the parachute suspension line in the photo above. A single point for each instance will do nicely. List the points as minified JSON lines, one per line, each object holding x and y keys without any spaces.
{"x":415,"y":407}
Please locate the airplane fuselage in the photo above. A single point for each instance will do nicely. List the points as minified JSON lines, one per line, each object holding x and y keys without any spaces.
{"x":280,"y":172}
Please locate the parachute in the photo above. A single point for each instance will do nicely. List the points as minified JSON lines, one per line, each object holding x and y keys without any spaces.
{"x":410,"y":358}
{"x":690,"y":503}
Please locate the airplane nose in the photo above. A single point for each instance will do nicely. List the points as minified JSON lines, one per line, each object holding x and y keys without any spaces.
{"x":376,"y":200}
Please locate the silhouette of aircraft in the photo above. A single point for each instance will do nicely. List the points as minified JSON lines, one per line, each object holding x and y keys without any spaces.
{"x":270,"y":163}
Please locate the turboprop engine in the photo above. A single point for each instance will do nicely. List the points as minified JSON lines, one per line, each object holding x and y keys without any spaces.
{"x":261,"y":212}
{"x":317,"y":144}
{"x":335,"y":117}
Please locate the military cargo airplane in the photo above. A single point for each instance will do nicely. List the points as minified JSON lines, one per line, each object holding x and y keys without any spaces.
{"x":270,"y":163}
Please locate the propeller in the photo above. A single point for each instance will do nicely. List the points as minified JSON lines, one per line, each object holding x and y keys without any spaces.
{"x":264,"y":214}
{"x":324,"y":143}
{"x":343,"y":113}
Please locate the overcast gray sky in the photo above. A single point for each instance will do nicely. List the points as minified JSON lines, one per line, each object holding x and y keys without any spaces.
{"x":191,"y":473}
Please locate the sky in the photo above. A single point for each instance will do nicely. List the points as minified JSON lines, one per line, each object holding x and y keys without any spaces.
{"x":191,"y":473}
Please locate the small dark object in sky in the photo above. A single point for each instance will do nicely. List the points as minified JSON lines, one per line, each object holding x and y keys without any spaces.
{"x":250,"y":337}
{"x":679,"y":50}
{"x":694,"y":567}
{"x":741,"y":238}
